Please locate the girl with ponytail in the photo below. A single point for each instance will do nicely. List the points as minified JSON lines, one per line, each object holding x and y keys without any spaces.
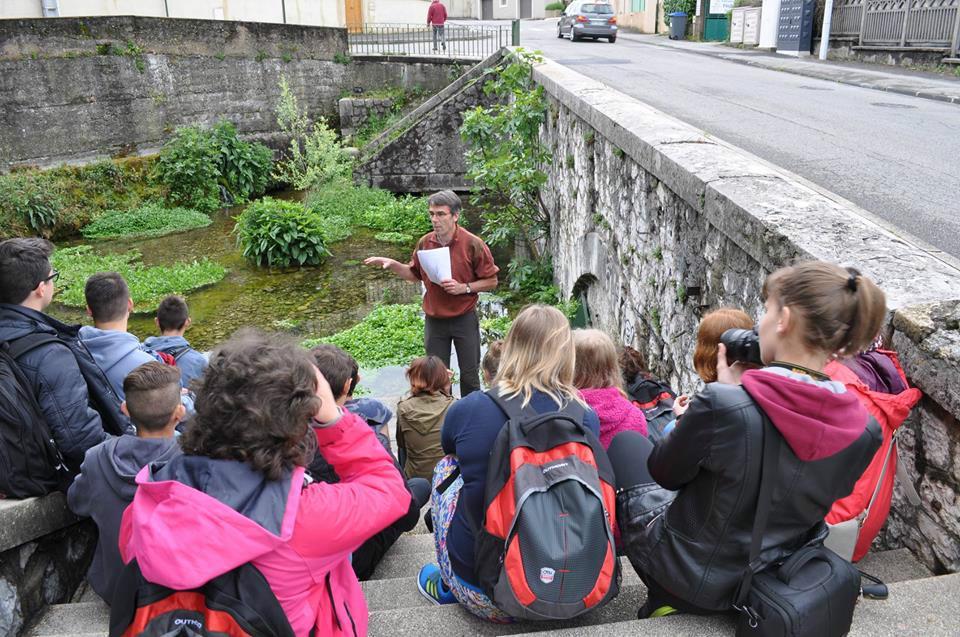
{"x":691,"y":548}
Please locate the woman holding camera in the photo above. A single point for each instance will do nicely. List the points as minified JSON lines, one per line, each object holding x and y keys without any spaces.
{"x":691,"y":549}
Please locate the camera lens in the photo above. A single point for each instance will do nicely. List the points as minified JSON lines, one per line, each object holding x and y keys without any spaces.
{"x":742,"y":345}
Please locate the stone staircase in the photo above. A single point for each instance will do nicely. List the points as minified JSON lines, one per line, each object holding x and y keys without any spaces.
{"x":919,"y":604}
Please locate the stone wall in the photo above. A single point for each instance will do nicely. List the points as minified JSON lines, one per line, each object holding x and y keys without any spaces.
{"x":654,"y":223}
{"x":848,"y":51}
{"x":354,"y":112}
{"x":44,"y":554}
{"x":423,"y":151}
{"x":79,"y":89}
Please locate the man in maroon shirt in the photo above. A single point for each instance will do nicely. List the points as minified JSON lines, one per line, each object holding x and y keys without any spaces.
{"x":437,"y":17}
{"x":450,"y":306}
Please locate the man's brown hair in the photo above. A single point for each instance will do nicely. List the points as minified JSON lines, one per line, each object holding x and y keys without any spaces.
{"x":152,"y":392}
{"x":24,"y":263}
{"x":446,"y":198}
{"x":107,"y":296}
{"x":255,"y":403}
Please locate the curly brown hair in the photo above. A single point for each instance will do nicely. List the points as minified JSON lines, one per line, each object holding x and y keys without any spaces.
{"x":254,"y":404}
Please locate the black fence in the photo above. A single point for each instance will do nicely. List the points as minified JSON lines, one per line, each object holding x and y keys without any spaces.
{"x":450,"y":40}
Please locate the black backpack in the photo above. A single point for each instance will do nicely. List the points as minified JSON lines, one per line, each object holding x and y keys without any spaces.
{"x":30,"y":463}
{"x":237,"y":603}
{"x":103,"y":398}
{"x":655,"y":400}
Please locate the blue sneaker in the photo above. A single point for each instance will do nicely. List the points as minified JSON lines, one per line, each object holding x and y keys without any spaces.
{"x":432,"y":587}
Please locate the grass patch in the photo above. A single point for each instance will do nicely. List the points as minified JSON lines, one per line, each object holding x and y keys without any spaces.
{"x":389,"y":335}
{"x":371,"y":208}
{"x":148,"y":285}
{"x":57,"y":203}
{"x":151,"y":220}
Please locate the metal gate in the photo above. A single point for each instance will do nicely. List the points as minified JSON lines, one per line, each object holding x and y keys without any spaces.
{"x":898,"y":23}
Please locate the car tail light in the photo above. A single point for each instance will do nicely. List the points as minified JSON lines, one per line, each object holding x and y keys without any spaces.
{"x":582,"y":18}
{"x":612,"y":20}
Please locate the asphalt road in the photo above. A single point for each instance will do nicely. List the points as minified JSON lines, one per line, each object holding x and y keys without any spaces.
{"x":897,"y":157}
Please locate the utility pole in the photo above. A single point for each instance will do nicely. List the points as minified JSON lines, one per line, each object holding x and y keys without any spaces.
{"x":825,"y":33}
{"x":283,"y":7}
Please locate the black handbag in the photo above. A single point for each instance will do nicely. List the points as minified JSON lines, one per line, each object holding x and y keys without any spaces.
{"x":810,"y":594}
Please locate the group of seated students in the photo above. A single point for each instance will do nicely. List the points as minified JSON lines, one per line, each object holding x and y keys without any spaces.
{"x":279,"y":466}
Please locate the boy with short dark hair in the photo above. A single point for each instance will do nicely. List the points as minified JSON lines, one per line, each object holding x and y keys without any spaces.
{"x":106,"y":484}
{"x":342,"y":372}
{"x":173,"y":319}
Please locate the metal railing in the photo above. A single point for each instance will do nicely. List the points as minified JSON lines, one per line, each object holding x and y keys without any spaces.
{"x":453,"y":40}
{"x":899,"y":23}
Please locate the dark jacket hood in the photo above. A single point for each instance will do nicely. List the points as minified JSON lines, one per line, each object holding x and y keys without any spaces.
{"x":125,"y":456}
{"x":816,"y":418}
{"x":17,"y":321}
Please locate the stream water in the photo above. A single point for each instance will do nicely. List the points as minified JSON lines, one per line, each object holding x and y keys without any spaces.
{"x":307,"y":302}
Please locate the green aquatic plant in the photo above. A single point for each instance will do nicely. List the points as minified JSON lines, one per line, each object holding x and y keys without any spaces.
{"x":371,"y":208}
{"x":150,"y":220}
{"x":389,"y":335}
{"x":148,"y":285}
{"x":276,"y":233}
{"x":393,"y":237}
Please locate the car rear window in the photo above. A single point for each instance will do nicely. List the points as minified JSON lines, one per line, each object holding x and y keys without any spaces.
{"x":597,"y":8}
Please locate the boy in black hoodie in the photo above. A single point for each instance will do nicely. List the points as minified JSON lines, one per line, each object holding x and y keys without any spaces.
{"x":106,"y":484}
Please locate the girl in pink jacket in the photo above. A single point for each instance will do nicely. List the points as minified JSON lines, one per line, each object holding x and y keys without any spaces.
{"x":238,"y":493}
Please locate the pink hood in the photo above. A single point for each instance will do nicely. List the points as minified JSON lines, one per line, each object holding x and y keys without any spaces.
{"x":817,"y":419}
{"x":616,"y":413}
{"x":167,"y":516}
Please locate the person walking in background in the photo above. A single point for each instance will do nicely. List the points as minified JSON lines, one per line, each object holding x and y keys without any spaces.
{"x":450,"y":305}
{"x":420,"y":416}
{"x":436,"y":18}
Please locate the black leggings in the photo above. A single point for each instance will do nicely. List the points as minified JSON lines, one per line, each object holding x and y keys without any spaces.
{"x":629,"y":452}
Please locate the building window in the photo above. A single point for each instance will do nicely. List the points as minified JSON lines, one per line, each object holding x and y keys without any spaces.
{"x":503,"y":4}
{"x":638,"y":6}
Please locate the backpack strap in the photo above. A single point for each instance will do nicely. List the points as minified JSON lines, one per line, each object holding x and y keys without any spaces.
{"x":177,"y":352}
{"x":768,"y":470}
{"x":514,"y":409}
{"x":29,"y":342}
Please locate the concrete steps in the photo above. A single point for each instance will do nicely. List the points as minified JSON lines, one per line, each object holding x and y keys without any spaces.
{"x":918,"y":604}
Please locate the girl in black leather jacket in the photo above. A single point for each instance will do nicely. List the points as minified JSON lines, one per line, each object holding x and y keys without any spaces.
{"x":691,"y":547}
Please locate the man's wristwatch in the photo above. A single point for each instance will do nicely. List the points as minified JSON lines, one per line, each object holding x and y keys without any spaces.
{"x":469,"y":291}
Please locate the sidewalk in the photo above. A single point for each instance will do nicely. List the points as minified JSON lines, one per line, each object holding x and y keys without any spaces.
{"x":897,"y":80}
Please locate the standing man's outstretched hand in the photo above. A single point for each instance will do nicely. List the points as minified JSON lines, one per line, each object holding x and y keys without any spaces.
{"x":382,"y":262}
{"x":402,"y":270}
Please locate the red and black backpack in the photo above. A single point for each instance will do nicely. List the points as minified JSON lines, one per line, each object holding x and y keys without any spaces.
{"x":545,"y":549}
{"x":239,"y":603}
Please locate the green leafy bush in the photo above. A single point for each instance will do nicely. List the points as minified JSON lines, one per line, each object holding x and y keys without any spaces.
{"x":189,"y":167}
{"x":495,"y":328}
{"x":336,"y":228}
{"x":151,"y":220}
{"x":371,"y":208}
{"x":280,"y":233}
{"x":389,"y":335}
{"x":148,"y":285}
{"x":32,"y":200}
{"x":671,"y":6}
{"x":555,"y":6}
{"x":393,"y":237}
{"x":505,"y":156}
{"x":315,"y":156}
{"x":244,"y":166}
{"x":196,"y":162}
{"x":59,"y":201}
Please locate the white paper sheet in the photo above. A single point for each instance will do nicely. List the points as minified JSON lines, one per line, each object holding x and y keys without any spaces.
{"x":436,"y":264}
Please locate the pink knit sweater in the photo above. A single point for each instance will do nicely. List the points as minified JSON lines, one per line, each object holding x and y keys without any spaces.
{"x":616,"y":413}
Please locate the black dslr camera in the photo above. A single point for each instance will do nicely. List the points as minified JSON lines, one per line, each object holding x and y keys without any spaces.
{"x":742,"y":346}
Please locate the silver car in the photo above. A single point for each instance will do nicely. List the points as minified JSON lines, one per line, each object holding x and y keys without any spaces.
{"x":588,"y":20}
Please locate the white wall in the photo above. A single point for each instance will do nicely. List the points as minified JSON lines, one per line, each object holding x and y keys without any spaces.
{"x":396,"y":11}
{"x":769,"y":21}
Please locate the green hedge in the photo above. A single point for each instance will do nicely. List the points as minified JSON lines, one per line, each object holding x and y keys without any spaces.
{"x":151,"y":220}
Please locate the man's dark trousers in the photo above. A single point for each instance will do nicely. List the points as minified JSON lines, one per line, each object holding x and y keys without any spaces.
{"x":464,"y":331}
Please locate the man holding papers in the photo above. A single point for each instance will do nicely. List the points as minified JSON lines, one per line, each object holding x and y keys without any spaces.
{"x":454,"y":265}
